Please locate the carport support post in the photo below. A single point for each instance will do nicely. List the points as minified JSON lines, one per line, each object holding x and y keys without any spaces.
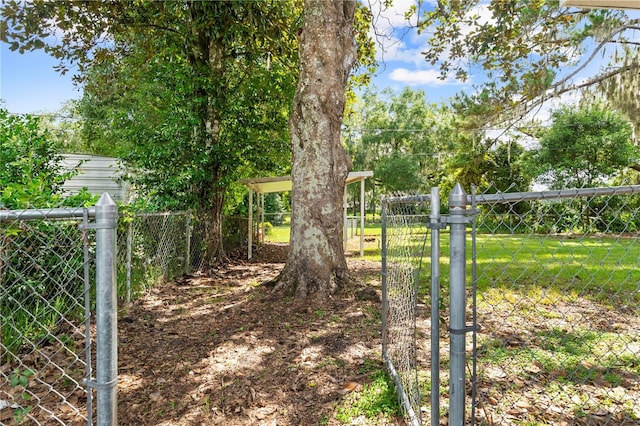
{"x":362,"y":218}
{"x":345,"y":225}
{"x":106,"y":312}
{"x":457,"y":286}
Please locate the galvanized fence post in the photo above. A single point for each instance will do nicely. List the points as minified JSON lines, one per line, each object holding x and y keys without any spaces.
{"x":457,"y":306}
{"x":188,"y":243}
{"x":435,"y":306}
{"x":129,"y":257}
{"x":383,"y":219}
{"x":106,"y":312}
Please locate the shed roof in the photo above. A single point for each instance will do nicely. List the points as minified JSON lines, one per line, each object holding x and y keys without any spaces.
{"x":266,"y":185}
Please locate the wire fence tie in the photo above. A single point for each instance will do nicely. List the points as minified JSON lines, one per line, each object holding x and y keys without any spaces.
{"x":465,"y":330}
{"x":92,"y":383}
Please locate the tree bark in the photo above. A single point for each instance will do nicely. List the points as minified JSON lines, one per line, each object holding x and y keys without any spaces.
{"x":316,"y":266}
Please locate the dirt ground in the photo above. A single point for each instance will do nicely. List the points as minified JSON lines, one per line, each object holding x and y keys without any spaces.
{"x":218,"y":350}
{"x":207,"y":350}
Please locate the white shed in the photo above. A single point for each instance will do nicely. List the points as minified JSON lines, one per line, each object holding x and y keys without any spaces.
{"x":98,"y":174}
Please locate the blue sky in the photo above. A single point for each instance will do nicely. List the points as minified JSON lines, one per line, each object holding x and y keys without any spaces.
{"x":29,"y":84}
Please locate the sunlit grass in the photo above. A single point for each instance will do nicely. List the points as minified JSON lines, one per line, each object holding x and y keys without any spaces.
{"x":375,"y":404}
{"x":539,"y":268}
{"x":278,"y":234}
{"x":545,"y":269}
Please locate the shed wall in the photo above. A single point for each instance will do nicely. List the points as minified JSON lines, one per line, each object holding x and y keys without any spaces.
{"x":98,"y":174}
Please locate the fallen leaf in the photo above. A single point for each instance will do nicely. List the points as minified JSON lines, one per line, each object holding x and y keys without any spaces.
{"x":349,"y":387}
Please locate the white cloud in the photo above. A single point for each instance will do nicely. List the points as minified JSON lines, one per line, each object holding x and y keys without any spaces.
{"x":419,"y":77}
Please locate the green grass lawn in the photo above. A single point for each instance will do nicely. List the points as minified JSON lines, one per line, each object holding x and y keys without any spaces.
{"x":372,"y":246}
{"x":603,"y":269}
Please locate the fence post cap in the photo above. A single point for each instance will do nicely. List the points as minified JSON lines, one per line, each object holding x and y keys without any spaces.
{"x":457,"y":197}
{"x":105,"y":200}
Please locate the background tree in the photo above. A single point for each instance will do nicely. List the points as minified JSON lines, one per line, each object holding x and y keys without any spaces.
{"x":584,"y":148}
{"x":142,"y":53}
{"x":621,"y":92}
{"x":32,"y":174}
{"x":530,"y":51}
{"x":508,"y":169}
{"x":399,"y":136}
{"x":316,"y":266}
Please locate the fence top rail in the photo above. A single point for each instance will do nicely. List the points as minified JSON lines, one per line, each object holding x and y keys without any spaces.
{"x":407,"y":199}
{"x":512,"y":197}
{"x":160,"y":214}
{"x":36,"y":214}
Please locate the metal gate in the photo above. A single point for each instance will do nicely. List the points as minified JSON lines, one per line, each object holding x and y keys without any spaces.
{"x":48,"y":261}
{"x":406,"y":225}
{"x":559,"y":280}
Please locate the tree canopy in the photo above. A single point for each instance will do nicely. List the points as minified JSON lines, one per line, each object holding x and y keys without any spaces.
{"x":32,"y":173}
{"x":530,"y":51}
{"x":584,"y":147}
{"x":192,"y":91}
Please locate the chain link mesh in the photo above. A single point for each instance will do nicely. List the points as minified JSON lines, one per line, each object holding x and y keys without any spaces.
{"x":404,"y":222}
{"x":152,"y":248}
{"x":558,"y":292}
{"x":557,"y":296}
{"x":46,"y":266}
{"x":42,"y":315}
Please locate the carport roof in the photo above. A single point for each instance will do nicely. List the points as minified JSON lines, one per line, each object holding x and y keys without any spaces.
{"x":266,"y":185}
{"x":602,"y":4}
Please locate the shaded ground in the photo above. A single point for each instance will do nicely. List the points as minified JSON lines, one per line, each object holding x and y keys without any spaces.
{"x":216,"y":350}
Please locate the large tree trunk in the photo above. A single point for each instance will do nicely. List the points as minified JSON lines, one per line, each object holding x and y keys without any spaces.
{"x":214,"y":254}
{"x":316,"y":266}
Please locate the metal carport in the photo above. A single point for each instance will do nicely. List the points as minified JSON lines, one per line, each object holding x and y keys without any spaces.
{"x":267,"y":185}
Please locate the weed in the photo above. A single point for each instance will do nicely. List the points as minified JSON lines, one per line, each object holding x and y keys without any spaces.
{"x":20,"y":377}
{"x":368,"y":366}
{"x":331,"y":361}
{"x":21,"y":414}
{"x":376,"y":400}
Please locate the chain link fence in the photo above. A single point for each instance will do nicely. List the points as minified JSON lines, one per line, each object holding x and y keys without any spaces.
{"x":43,"y":348}
{"x":153,"y":247}
{"x":404,"y":235}
{"x":48,"y":270}
{"x":158,"y":247}
{"x":558,"y":298}
{"x":48,"y":262}
{"x":553,"y":280}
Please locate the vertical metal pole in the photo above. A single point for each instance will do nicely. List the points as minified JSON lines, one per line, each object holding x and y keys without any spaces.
{"x":385,"y":299}
{"x":188,"y":248}
{"x":262,"y":217}
{"x":129,"y":257}
{"x":435,"y":306}
{"x":345,"y":225}
{"x":457,"y":287}
{"x":106,"y":312}
{"x":474,"y":313}
{"x":250,"y":226}
{"x":362,"y":218}
{"x":87,"y":313}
